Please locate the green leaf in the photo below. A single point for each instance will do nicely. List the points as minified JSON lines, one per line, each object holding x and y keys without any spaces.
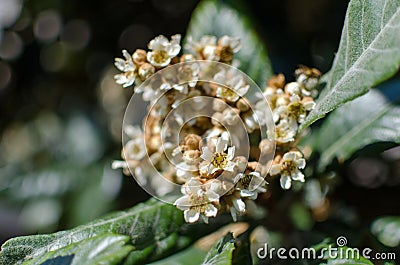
{"x":368,"y":54}
{"x":155,"y":229}
{"x":387,"y":230}
{"x":191,"y":255}
{"x":230,"y":251}
{"x":106,"y":249}
{"x":216,"y":18}
{"x":369,"y":119}
{"x":222,"y":252}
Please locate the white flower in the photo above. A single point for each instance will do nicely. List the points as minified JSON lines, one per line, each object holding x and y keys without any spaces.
{"x":198,"y":200}
{"x":163,"y":50}
{"x":297,"y":110}
{"x":284,"y":132}
{"x":231,"y":87}
{"x":135,"y":148}
{"x":127,"y":78}
{"x":231,"y":42}
{"x":289,"y":169}
{"x":206,"y":47}
{"x":250,"y":184}
{"x":220,"y":159}
{"x":185,"y":78}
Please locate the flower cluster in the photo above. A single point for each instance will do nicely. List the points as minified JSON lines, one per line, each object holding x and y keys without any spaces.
{"x":290,"y":103}
{"x":207,"y":161}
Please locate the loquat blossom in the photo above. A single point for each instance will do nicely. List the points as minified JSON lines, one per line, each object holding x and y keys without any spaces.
{"x":221,"y":158}
{"x":162,"y":50}
{"x":284,"y":132}
{"x":128,"y":68}
{"x":231,"y":88}
{"x":199,"y":200}
{"x":289,"y":169}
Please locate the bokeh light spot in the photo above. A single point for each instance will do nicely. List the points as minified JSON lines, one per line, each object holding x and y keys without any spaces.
{"x":47,"y":26}
{"x":11,"y":46}
{"x":9,"y":12}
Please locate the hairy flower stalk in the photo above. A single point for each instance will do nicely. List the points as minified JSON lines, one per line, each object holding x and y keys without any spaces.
{"x":215,"y":177}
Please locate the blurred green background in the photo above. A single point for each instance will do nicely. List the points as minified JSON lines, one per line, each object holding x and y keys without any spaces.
{"x":61,"y":112}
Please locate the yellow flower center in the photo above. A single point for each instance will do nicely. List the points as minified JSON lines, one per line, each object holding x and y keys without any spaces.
{"x":228,"y":93}
{"x":296,"y":109}
{"x":219,"y":160}
{"x":289,"y":167}
{"x":160,"y":56}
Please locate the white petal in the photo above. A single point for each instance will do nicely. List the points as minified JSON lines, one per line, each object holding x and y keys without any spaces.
{"x":215,"y":186}
{"x":158,"y":43}
{"x":255,"y":174}
{"x":297,"y":175}
{"x":207,"y":154}
{"x":220,"y":78}
{"x":211,"y":210}
{"x":235,"y":44}
{"x":286,"y":182}
{"x":231,"y":153}
{"x":212,"y":169}
{"x":243,"y":90}
{"x":289,"y":156}
{"x":191,"y":215}
{"x":120,"y":79}
{"x":238,"y":177}
{"x":120,"y":64}
{"x":127,"y":56}
{"x":183,"y":202}
{"x":293,"y":88}
{"x":193,"y":186}
{"x":309,"y":105}
{"x":176,"y":39}
{"x":247,"y":193}
{"x":294,"y":98}
{"x":119,"y":164}
{"x":173,"y":50}
{"x":133,"y":131}
{"x":165,"y":86}
{"x":301,"y":163}
{"x":219,"y":92}
{"x":221,"y":145}
{"x":230,"y":167}
{"x":239,"y":205}
{"x":212,"y":196}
